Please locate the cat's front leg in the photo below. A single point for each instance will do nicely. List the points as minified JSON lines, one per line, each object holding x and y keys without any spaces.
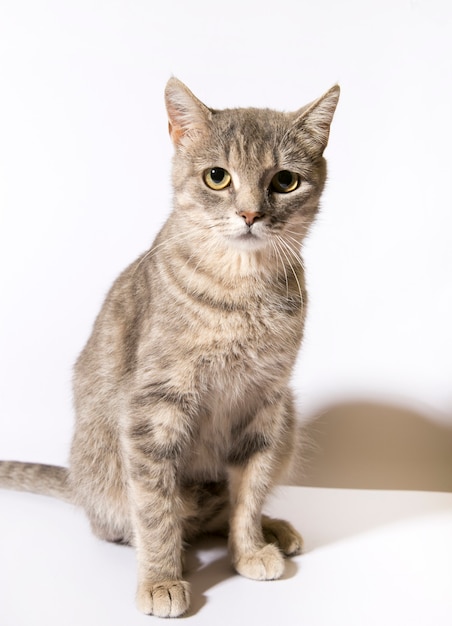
{"x":157,"y":437}
{"x":251,"y":555}
{"x":161,"y":591}
{"x":255,"y":463}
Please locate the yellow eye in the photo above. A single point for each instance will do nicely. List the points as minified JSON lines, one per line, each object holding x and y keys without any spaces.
{"x":284,"y":181}
{"x":217,"y":178}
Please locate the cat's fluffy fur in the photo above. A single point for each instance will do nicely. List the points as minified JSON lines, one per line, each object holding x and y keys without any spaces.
{"x":184,"y":415}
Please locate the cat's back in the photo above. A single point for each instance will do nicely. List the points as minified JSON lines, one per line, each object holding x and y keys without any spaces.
{"x":110,"y":352}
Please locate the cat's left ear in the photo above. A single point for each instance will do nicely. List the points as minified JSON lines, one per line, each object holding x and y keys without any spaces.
{"x":314,"y":121}
{"x":188,"y":117}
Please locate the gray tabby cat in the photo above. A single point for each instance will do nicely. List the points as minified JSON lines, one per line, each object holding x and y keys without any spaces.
{"x":185,"y":419}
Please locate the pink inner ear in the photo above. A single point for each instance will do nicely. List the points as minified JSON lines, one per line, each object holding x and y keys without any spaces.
{"x":175,"y":133}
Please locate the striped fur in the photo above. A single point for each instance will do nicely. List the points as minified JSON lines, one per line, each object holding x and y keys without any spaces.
{"x":184,"y":416}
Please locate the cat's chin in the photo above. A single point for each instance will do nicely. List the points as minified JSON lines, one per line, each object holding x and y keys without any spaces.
{"x":248,"y":242}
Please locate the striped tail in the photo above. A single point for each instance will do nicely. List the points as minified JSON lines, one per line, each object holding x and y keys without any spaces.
{"x":47,"y":480}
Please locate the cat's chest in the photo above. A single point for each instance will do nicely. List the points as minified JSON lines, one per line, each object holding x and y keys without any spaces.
{"x":220,"y":343}
{"x":231,"y":359}
{"x":246,"y":349}
{"x":216,"y":333}
{"x":248,"y":336}
{"x":213,"y":305}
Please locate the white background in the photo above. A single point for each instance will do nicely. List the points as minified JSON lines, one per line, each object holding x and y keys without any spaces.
{"x":84,"y":183}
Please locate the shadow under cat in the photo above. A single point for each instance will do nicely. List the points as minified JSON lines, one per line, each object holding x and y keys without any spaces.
{"x":208,"y":564}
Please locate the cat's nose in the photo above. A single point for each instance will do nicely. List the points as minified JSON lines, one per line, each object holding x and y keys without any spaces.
{"x":250,"y":216}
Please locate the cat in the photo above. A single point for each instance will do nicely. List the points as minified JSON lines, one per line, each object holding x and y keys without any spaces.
{"x":184,"y":415}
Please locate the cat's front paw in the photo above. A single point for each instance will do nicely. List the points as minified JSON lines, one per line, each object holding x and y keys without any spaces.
{"x":264,"y":564}
{"x":163,"y":599}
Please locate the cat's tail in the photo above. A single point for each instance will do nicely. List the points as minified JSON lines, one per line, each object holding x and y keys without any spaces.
{"x":47,"y":480}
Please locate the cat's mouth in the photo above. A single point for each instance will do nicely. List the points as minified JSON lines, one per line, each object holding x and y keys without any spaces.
{"x":249,"y":239}
{"x":248,"y":234}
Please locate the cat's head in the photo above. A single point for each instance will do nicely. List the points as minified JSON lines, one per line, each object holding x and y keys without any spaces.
{"x":248,"y":177}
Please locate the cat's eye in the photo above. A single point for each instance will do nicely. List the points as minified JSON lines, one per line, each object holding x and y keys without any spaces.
{"x":217,"y":178}
{"x":284,"y":181}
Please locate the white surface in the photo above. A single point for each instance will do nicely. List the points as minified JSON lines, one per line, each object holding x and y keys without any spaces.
{"x":371,"y":558}
{"x":84,"y":183}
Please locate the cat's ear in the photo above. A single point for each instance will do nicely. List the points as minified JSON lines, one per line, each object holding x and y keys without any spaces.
{"x":188,"y":117}
{"x":314,"y":121}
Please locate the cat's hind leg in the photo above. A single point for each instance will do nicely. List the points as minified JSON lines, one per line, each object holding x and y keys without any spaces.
{"x":110,"y":533}
{"x":283,"y":535}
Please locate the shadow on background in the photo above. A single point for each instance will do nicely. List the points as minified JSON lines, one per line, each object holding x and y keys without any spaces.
{"x":371,"y":445}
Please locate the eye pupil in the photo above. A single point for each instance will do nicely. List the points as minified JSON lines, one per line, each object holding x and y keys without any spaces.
{"x":285,"y":178}
{"x":285,"y":181}
{"x":217,"y":174}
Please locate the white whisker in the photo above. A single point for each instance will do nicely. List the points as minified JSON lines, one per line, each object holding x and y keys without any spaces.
{"x":294,"y":250}
{"x":283,"y":250}
{"x":276,"y":249}
{"x":294,"y":240}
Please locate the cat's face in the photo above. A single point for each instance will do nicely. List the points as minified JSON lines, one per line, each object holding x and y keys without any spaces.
{"x":248,"y":177}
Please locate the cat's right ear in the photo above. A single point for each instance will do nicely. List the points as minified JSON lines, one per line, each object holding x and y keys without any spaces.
{"x":188,"y":117}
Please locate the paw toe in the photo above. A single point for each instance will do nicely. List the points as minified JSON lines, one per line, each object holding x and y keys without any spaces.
{"x":163,"y":599}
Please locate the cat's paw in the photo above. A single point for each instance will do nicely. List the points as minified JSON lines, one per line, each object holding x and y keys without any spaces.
{"x":163,"y":599}
{"x":283,"y":534}
{"x":264,"y":564}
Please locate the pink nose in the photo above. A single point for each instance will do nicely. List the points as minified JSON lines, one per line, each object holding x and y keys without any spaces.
{"x":250,"y":216}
